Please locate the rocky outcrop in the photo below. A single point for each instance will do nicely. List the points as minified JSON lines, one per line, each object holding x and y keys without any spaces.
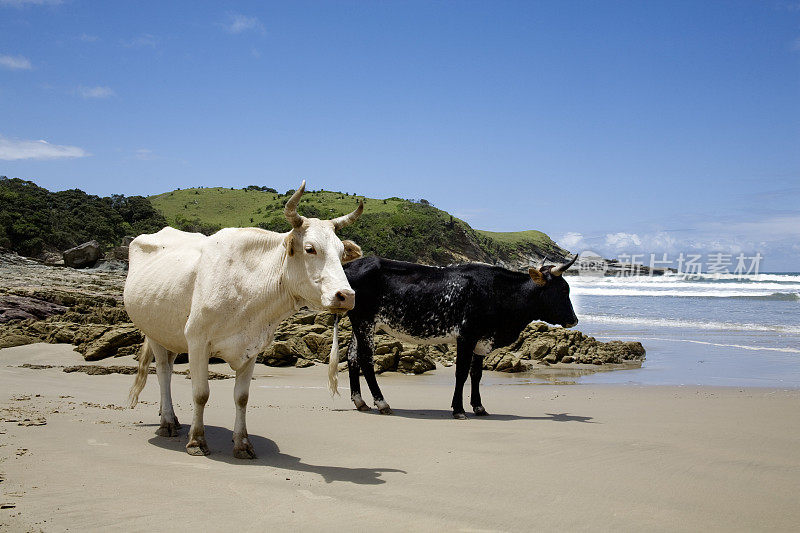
{"x":548,"y":345}
{"x":14,"y":307}
{"x":83,"y":255}
{"x":84,"y":308}
{"x":307,"y":337}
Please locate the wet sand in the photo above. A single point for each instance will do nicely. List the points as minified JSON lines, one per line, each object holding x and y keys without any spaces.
{"x":566,"y":457}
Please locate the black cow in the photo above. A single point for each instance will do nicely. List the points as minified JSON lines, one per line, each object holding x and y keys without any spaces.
{"x":476,"y":306}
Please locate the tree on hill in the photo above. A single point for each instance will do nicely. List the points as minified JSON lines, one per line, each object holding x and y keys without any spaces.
{"x":33,"y":219}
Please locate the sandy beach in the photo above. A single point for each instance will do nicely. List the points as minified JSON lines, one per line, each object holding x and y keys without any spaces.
{"x":568,"y":457}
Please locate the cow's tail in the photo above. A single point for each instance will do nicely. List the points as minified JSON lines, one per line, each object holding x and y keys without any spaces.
{"x":333,"y":361}
{"x":145,"y":358}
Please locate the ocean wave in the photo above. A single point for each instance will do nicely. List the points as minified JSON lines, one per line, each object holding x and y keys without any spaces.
{"x":722,"y":345}
{"x":673,"y":323}
{"x":781,"y":278}
{"x":688,"y":292}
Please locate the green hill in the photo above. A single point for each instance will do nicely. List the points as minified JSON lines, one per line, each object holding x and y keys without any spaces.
{"x":34,"y":220}
{"x":391,"y":227}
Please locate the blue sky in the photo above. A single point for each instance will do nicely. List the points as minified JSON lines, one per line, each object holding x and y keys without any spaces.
{"x":620,"y":127}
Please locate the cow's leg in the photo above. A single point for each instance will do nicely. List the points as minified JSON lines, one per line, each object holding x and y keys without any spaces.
{"x":164,"y":359}
{"x":171,"y":356}
{"x":242,"y":449}
{"x":366,"y":346}
{"x":475,"y":372}
{"x":353,"y":370}
{"x":463,"y":358}
{"x":198,"y":369}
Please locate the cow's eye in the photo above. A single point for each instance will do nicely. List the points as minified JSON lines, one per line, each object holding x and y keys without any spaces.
{"x":310,"y":249}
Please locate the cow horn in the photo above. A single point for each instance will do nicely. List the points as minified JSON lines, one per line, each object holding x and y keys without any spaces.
{"x":541,"y":265}
{"x":557,"y":271}
{"x":342,"y":221}
{"x":291,"y":207}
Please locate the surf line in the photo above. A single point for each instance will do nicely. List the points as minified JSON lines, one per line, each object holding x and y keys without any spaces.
{"x":753,"y":348}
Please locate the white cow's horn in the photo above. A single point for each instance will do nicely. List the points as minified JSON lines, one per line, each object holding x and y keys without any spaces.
{"x":541,"y":265}
{"x":342,"y":221}
{"x":291,"y":207}
{"x":557,"y":271}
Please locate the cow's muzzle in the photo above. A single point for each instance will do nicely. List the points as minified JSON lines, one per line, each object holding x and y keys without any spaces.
{"x":571,"y":324}
{"x":343,"y":300}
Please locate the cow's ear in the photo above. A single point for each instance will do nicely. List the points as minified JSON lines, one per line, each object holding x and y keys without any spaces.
{"x":352,"y":251}
{"x":288,"y":242}
{"x":537,"y":277}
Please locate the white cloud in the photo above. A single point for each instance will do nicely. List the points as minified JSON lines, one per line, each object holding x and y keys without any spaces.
{"x":622,"y":241}
{"x":571,"y":241}
{"x":238,"y":23}
{"x":14,"y":150}
{"x":85,"y":37}
{"x":96,"y":92}
{"x":145,"y":40}
{"x":15,"y":62}
{"x":21,"y":3}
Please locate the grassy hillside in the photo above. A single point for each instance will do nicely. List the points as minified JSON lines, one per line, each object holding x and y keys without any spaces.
{"x":391,"y":227}
{"x":242,"y":207}
{"x":523,"y":240}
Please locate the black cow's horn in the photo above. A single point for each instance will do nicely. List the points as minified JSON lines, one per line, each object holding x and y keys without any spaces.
{"x":557,"y":271}
{"x":291,"y":207}
{"x":342,"y":221}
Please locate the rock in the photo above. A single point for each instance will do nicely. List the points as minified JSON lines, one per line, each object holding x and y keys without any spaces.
{"x":84,"y":255}
{"x":11,"y":339}
{"x":133,"y":349}
{"x":538,"y":349}
{"x":568,"y":359}
{"x":280,"y":353}
{"x":108,"y":343}
{"x":508,"y":363}
{"x":560,"y":351}
{"x":52,"y":258}
{"x":16,"y":307}
{"x":325,"y":319}
{"x":385,"y":362}
{"x":304,"y":318}
{"x":118,"y":253}
{"x":110,"y":265}
{"x":126,"y":241}
{"x":319,"y":346}
{"x":303,"y":363}
{"x":62,"y":333}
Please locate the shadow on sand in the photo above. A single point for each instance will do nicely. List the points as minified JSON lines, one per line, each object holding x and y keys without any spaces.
{"x":220,"y":440}
{"x":447,"y":414}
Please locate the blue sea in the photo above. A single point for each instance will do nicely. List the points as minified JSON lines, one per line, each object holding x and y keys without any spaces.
{"x":712,"y":330}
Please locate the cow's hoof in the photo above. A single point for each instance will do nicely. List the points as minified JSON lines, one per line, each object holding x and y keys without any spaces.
{"x":479,"y":411}
{"x":168,"y":430}
{"x":197,"y":446}
{"x":460,"y":416}
{"x":383,"y":407}
{"x":361,"y":405}
{"x":244,"y":451}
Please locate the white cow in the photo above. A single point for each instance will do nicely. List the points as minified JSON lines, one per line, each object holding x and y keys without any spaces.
{"x":224,"y":295}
